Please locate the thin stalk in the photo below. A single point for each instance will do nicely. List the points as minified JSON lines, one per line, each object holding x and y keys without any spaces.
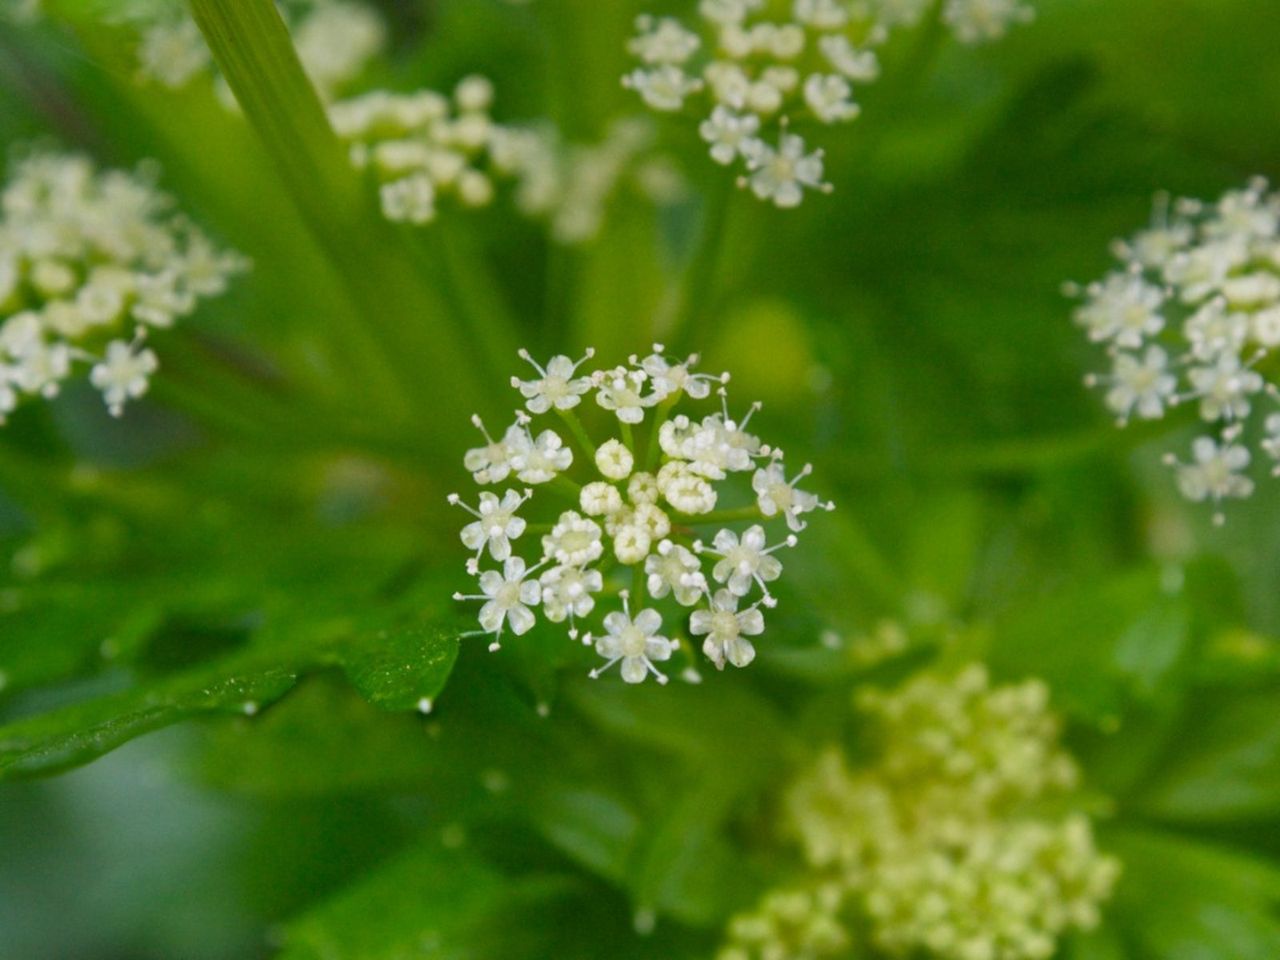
{"x":579,"y":432}
{"x":628,"y":436}
{"x":720,"y":516}
{"x":690,"y":318}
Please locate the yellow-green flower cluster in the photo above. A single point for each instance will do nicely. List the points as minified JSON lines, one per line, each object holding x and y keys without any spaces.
{"x":799,"y":923}
{"x":935,"y":845}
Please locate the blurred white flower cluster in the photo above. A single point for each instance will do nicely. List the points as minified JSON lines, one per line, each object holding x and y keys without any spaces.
{"x":89,"y":263}
{"x":1192,"y":315}
{"x":424,"y":146}
{"x":940,"y":846}
{"x":752,"y":67}
{"x":628,"y":534}
{"x":335,"y":39}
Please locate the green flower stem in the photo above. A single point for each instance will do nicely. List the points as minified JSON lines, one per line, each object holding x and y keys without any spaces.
{"x":720,"y":516}
{"x":660,"y":417}
{"x":689,"y":311}
{"x":637,"y":588}
{"x":579,"y":432}
{"x":628,"y":436}
{"x":563,"y":485}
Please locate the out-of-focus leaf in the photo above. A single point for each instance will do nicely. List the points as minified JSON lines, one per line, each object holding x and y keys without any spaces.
{"x":427,"y":902}
{"x":1183,"y":899}
{"x":402,"y":668}
{"x":1225,"y":764}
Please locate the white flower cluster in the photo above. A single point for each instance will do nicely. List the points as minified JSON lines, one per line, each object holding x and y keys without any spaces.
{"x":335,"y":40}
{"x":636,"y":505}
{"x":1193,"y":315}
{"x":425,"y":145}
{"x":752,"y":72}
{"x":90,"y":262}
{"x":939,"y":845}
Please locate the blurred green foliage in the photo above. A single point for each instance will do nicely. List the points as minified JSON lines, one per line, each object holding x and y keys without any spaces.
{"x":265,"y":545}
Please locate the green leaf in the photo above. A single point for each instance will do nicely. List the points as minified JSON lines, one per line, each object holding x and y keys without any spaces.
{"x":77,"y":734}
{"x":404,"y":668}
{"x":1182,"y":899}
{"x":1225,"y":765}
{"x":427,"y":902}
{"x":395,"y":669}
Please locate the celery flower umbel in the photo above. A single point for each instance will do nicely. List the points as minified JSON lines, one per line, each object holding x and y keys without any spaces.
{"x":90,"y":263}
{"x":1192,"y":316}
{"x":633,"y":498}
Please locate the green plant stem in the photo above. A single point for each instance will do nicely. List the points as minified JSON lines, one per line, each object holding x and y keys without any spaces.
{"x":720,"y":516}
{"x":628,"y":436}
{"x":691,"y":319}
{"x":579,"y":432}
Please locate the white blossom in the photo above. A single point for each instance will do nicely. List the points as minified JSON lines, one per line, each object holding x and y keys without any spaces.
{"x":727,"y":629}
{"x":123,"y":374}
{"x":685,"y":490}
{"x":574,"y":541}
{"x":662,"y":41}
{"x":567,"y":594}
{"x":676,"y":570}
{"x":728,"y":133}
{"x":493,"y":462}
{"x":540,"y":460}
{"x":781,"y":175}
{"x":1214,"y":472}
{"x":830,"y":98}
{"x":746,"y":561}
{"x":614,"y":460}
{"x":621,"y":391}
{"x":636,"y":643}
{"x":664,"y":87}
{"x":556,"y":387}
{"x":495,"y":526}
{"x":600,"y":499}
{"x":775,"y":494}
{"x":1144,"y":385}
{"x":507,"y":598}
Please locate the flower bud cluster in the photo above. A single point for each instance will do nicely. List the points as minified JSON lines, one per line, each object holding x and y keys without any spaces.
{"x":1192,"y":315}
{"x":937,"y":845}
{"x":90,"y":262}
{"x":637,"y":504}
{"x":753,"y":66}
{"x":790,"y":923}
{"x":425,"y":145}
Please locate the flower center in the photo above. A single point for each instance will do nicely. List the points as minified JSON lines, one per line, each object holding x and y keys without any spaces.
{"x":632,"y":642}
{"x":724,"y":625}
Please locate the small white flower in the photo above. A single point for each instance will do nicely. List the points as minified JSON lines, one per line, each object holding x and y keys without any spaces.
{"x":495,"y":526}
{"x":830,"y":98}
{"x":1271,"y":445}
{"x":781,"y":175}
{"x":685,"y":490}
{"x":775,"y":494}
{"x":1124,"y":308}
{"x":1145,"y":385}
{"x":663,"y":87}
{"x":652,"y":520}
{"x":634,"y":642}
{"x":663,"y":40}
{"x":1215,"y":472}
{"x":574,"y":541}
{"x":508,"y":596}
{"x":42,"y":367}
{"x":1224,"y":388}
{"x":746,"y":561}
{"x":727,"y":12}
{"x":542,"y":459}
{"x":557,"y":386}
{"x":860,"y":66}
{"x":674,"y":569}
{"x":1265,"y":327}
{"x":409,"y":199}
{"x":821,"y":14}
{"x":614,"y":460}
{"x":567,"y":594}
{"x":493,"y":462}
{"x":727,"y":630}
{"x":631,"y":543}
{"x":669,"y":379}
{"x":727,"y":132}
{"x":642,"y":488}
{"x":600,"y":499}
{"x":621,"y":391}
{"x":1213,"y":331}
{"x":1202,"y":271}
{"x":124,"y":374}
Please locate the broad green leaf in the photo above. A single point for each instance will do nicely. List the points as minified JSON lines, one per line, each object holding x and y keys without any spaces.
{"x":403,"y":668}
